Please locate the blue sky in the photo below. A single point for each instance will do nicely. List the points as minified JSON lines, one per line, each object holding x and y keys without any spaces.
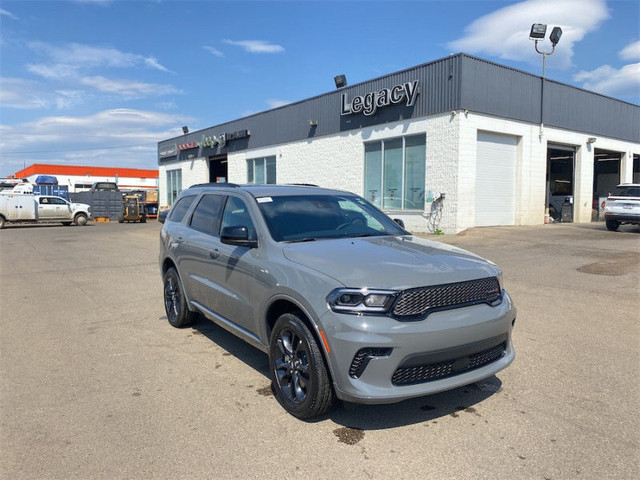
{"x":100,"y":82}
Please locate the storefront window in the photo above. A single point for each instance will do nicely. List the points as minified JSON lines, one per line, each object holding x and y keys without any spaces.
{"x":261,"y":170}
{"x":395,"y":173}
{"x":174,"y":185}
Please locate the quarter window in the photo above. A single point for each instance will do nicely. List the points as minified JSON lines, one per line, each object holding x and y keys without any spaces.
{"x":261,"y":170}
{"x":180,"y":208}
{"x":394,"y":173}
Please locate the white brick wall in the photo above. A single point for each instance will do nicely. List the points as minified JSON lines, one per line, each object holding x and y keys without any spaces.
{"x":337,"y":161}
{"x":193,"y":171}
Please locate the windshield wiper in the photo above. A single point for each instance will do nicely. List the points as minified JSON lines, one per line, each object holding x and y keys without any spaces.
{"x":367,"y":235}
{"x":300,"y":240}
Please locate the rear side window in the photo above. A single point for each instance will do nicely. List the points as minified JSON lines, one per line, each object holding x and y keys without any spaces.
{"x":626,"y":191}
{"x":180,"y":208}
{"x":206,"y":216}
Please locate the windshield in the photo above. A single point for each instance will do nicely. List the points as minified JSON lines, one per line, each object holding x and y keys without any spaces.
{"x":299,"y":218}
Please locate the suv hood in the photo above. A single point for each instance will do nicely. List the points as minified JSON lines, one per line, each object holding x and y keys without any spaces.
{"x":394,"y":263}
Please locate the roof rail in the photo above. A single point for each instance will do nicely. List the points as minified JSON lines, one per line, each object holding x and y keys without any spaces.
{"x":216,"y":184}
{"x":302,"y":184}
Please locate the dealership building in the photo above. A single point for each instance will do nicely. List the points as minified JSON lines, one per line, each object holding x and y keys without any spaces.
{"x":455,"y":143}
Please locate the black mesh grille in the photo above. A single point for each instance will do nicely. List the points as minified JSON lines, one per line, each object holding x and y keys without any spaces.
{"x":419,"y":301}
{"x":437,"y":371}
{"x":362,"y":358}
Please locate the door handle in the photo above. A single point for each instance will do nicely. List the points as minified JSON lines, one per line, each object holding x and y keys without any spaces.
{"x":214,"y":253}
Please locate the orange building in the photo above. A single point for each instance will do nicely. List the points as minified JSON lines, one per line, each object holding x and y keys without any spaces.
{"x":80,"y":178}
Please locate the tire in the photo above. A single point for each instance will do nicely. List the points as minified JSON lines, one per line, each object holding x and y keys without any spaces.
{"x":2,"y":222}
{"x":143,"y":219}
{"x":298,"y":372}
{"x":80,"y":219}
{"x":175,"y":303}
{"x":612,"y":225}
{"x":121,"y":217}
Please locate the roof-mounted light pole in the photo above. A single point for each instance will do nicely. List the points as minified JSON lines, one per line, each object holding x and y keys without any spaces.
{"x":538,"y":32}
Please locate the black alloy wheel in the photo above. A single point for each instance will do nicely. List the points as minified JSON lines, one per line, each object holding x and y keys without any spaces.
{"x":175,"y":304}
{"x":298,"y":371}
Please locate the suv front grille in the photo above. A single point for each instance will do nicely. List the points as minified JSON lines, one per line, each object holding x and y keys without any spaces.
{"x":436,"y":371}
{"x":418,"y":302}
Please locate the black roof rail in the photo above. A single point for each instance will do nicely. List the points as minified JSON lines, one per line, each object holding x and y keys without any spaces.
{"x":302,"y":184}
{"x":216,"y":184}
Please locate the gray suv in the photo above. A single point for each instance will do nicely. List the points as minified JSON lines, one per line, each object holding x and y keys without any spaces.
{"x":345,"y":302}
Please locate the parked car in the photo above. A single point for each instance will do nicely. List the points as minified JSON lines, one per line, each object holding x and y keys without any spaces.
{"x":344,"y":301}
{"x":623,"y":206}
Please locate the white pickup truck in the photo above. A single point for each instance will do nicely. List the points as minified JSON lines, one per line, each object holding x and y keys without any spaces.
{"x":29,"y":208}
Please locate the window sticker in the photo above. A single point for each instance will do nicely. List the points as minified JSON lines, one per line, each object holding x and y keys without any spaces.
{"x":264,"y":199}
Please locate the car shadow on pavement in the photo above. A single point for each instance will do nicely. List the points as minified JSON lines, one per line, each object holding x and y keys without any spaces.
{"x":240,"y":349}
{"x":460,"y":402}
{"x":454,"y":403}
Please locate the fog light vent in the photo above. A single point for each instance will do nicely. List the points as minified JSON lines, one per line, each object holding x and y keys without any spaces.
{"x":363,"y":357}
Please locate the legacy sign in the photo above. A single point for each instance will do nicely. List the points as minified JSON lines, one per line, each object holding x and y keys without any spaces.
{"x":368,"y":103}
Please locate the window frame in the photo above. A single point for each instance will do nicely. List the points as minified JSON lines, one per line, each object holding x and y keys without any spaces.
{"x":266,"y":161}
{"x":381,"y":174}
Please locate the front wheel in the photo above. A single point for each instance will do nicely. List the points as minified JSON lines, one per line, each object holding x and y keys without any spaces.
{"x":2,"y":221}
{"x":175,"y":303}
{"x":298,"y":372}
{"x":612,"y":225}
{"x":80,"y":220}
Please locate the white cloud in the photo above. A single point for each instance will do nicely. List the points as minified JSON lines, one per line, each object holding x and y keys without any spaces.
{"x":6,"y":13}
{"x":256,"y":46}
{"x":18,"y":93}
{"x":505,"y":32}
{"x":26,"y":94}
{"x":611,"y":81}
{"x":79,"y":55}
{"x":130,"y":136}
{"x":275,"y":103}
{"x":53,"y":72}
{"x":630,"y":52}
{"x":213,"y":51}
{"x":127,"y":88}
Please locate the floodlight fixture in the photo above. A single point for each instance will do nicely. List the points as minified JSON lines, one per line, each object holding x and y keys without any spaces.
{"x":538,"y":31}
{"x":340,"y":80}
{"x":556,"y":33}
{"x":185,"y":129}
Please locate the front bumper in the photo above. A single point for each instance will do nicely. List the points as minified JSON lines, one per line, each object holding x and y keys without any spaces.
{"x":457,"y":340}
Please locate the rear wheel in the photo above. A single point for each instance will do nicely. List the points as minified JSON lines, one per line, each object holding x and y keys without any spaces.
{"x":300,"y":379}
{"x":612,"y":225}
{"x":80,"y":219}
{"x":121,"y":217}
{"x":175,"y":303}
{"x":143,"y":219}
{"x":2,"y":221}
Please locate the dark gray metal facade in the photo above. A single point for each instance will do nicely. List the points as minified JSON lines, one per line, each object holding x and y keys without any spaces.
{"x":453,"y":83}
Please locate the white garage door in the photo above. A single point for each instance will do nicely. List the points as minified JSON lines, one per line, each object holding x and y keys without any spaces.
{"x":496,"y":180}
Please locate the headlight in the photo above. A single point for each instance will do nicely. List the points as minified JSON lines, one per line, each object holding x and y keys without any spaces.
{"x":364,"y":300}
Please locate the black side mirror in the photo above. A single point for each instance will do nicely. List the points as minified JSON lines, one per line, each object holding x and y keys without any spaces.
{"x":237,"y":235}
{"x":399,"y":222}
{"x":162,"y":216}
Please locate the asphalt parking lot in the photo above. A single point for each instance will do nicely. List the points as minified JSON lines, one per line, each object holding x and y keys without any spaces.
{"x":96,"y":384}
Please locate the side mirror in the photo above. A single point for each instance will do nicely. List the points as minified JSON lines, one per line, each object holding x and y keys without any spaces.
{"x":399,"y":222}
{"x":237,"y":235}
{"x":162,"y":216}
